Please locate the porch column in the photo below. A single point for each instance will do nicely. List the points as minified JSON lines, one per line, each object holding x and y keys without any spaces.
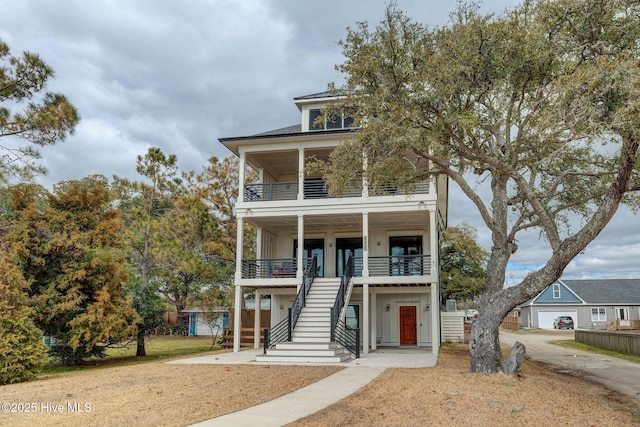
{"x":365,"y":318}
{"x":239,"y":244}
{"x":433,"y":246}
{"x":237,"y":323}
{"x":365,"y":244}
{"x":435,"y":285}
{"x":374,"y":316}
{"x":300,"y":247}
{"x":257,"y":327}
{"x":300,"y":173}
{"x":258,"y":243}
{"x":241,"y":175}
{"x":434,"y":306}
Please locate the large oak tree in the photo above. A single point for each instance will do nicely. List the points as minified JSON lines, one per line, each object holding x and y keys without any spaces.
{"x":533,"y":113}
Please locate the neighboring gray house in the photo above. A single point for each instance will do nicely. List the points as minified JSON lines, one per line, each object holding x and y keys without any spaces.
{"x":593,"y":304}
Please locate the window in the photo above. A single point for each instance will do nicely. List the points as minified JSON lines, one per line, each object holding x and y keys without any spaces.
{"x":332,"y":120}
{"x":352,"y":316}
{"x":598,"y":314}
{"x":556,"y":290}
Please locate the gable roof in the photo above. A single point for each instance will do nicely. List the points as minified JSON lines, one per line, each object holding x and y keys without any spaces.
{"x":606,"y":291}
{"x":566,"y":295}
{"x":590,"y":292}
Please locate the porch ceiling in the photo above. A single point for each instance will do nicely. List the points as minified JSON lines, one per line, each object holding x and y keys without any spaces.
{"x":279,"y":163}
{"x":318,"y":223}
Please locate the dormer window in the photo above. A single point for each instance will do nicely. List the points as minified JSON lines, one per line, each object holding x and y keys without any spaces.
{"x":332,"y":121}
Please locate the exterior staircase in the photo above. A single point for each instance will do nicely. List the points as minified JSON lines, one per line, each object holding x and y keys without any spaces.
{"x":311,"y":338}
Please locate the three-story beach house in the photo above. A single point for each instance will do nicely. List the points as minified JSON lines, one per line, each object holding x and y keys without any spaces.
{"x":346,"y":274}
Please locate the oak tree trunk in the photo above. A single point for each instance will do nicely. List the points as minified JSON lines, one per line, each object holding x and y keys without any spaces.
{"x":484,"y":343}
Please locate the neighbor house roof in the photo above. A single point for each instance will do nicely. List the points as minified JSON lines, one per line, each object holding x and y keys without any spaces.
{"x":606,"y":291}
{"x":590,"y":292}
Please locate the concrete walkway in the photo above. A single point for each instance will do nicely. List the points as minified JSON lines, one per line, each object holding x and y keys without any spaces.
{"x":300,"y":403}
{"x":316,"y":396}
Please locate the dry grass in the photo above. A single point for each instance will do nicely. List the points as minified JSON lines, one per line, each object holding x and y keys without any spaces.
{"x":449,"y":395}
{"x":155,"y":393}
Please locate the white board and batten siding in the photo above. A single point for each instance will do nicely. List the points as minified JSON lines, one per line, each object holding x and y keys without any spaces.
{"x":546,"y":318}
{"x":452,"y":324}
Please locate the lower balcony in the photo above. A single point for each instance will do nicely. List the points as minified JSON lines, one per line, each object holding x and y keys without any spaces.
{"x":379,"y":266}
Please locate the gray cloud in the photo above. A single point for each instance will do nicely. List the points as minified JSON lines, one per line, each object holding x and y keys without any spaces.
{"x":180,"y":75}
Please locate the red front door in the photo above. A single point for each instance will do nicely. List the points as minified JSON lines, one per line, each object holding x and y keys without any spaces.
{"x":408,"y":330}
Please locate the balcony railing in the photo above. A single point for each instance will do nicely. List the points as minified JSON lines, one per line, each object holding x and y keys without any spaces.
{"x":399,"y":265}
{"x":394,"y":265}
{"x":274,"y":268}
{"x":269,"y":268}
{"x":271,"y":191}
{"x":317,"y":189}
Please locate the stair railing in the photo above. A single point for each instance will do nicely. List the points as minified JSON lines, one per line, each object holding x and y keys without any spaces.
{"x":340,"y":302}
{"x":301,"y":297}
{"x":284,"y":330}
{"x":348,"y":337}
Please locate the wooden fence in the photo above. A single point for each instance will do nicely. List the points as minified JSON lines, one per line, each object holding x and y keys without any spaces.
{"x":625,"y":343}
{"x":511,"y":323}
{"x":247,"y":319}
{"x":246,"y":338}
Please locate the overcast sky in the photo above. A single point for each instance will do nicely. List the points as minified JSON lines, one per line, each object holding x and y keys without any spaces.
{"x":181,"y":74}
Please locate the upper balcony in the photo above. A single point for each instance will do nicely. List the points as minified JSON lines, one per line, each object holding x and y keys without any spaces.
{"x":317,"y":189}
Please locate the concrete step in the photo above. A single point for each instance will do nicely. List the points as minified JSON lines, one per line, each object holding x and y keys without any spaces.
{"x":315,"y":315}
{"x":323,"y":291}
{"x":305,"y":338}
{"x":311,"y":321}
{"x":324,"y":302}
{"x":301,"y":345}
{"x":305,"y":352}
{"x":303,"y":329}
{"x":316,"y":310}
{"x":303,"y":359}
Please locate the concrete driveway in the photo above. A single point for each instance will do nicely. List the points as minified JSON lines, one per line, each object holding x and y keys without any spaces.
{"x":613,"y":373}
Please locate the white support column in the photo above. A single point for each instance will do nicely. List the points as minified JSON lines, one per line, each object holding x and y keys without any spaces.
{"x":365,"y":244}
{"x":241,"y":175}
{"x":374,"y":314}
{"x":300,"y":246}
{"x":257,"y":327}
{"x":259,"y":243}
{"x":433,"y":245}
{"x":365,"y":318}
{"x":237,"y":323}
{"x":239,"y":245}
{"x":434,"y":305}
{"x":301,"y":173}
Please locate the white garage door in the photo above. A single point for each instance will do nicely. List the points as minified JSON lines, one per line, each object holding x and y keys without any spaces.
{"x":545,"y":318}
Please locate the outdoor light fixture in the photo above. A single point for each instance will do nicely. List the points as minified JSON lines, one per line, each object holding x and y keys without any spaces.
{"x":426,"y":307}
{"x":388,"y":307}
